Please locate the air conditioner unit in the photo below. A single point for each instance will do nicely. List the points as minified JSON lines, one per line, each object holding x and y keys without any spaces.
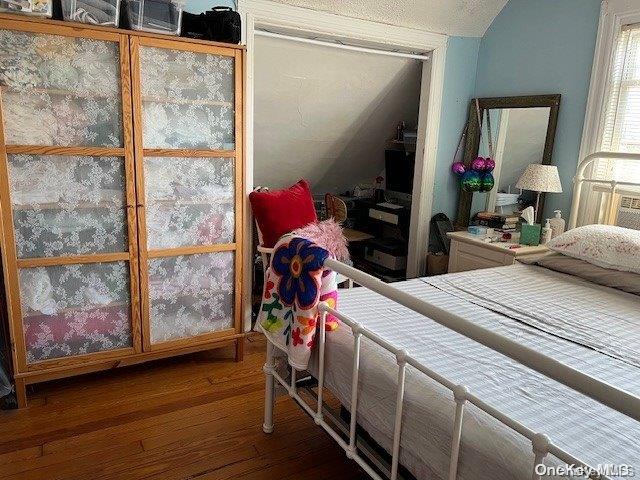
{"x":628,"y":214}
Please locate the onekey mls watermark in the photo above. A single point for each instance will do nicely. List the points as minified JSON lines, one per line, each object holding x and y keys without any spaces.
{"x":579,"y":471}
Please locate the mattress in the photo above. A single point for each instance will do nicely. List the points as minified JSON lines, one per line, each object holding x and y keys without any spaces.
{"x":490,"y":450}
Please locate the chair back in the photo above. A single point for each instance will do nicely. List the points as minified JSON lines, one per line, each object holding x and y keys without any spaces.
{"x":265,"y":252}
{"x":336,"y":208}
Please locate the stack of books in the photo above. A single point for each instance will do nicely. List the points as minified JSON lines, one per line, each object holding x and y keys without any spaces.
{"x":507,"y":222}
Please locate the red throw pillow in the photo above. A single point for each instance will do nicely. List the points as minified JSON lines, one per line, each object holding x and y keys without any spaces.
{"x":282,"y":211}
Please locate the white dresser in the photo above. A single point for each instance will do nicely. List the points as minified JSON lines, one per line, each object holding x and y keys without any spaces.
{"x":470,"y":252}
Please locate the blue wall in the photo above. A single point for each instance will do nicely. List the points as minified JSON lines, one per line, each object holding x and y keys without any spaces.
{"x":532,"y":47}
{"x":459,"y":84}
{"x":540,"y":47}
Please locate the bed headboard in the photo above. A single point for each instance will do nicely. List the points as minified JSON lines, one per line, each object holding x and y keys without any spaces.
{"x":611,"y":185}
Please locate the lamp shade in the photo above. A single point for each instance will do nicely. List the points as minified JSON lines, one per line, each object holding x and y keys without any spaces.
{"x":540,"y":178}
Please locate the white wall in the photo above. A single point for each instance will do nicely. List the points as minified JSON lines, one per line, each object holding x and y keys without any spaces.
{"x":325,"y":114}
{"x":467,"y":18}
{"x":524,"y":143}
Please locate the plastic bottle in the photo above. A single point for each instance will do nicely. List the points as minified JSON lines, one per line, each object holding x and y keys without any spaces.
{"x":557,"y":224}
{"x":546,"y":232}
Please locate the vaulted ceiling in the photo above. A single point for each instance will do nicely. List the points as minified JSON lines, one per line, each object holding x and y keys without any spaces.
{"x":467,"y":18}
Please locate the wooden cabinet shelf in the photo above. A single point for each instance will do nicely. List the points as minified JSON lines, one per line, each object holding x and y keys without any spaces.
{"x":74,"y":310}
{"x":112,"y":206}
{"x":58,"y":92}
{"x":69,"y":206}
{"x":186,"y":101}
{"x":109,"y":96}
{"x":171,"y":201}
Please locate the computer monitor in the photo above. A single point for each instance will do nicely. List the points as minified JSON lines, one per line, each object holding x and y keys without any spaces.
{"x":399,"y":166}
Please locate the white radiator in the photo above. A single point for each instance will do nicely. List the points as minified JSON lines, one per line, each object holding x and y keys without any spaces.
{"x":628,"y":214}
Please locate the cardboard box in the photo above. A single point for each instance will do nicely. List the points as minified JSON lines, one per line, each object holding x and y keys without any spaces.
{"x":437,"y":264}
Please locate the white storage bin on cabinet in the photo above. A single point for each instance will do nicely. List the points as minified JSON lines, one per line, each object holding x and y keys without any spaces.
{"x":157,"y":16}
{"x":96,"y":12}
{"x":41,"y":8}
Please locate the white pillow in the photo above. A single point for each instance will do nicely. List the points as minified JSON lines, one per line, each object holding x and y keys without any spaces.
{"x":606,"y":246}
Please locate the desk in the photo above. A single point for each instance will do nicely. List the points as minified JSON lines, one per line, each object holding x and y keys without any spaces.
{"x":356,"y":235}
{"x":379,"y":238}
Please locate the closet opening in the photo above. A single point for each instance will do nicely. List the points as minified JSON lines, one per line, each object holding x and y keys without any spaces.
{"x":343,"y":116}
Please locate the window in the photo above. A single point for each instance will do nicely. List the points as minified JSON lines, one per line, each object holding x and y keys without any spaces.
{"x":612,"y":120}
{"x":621,"y":127}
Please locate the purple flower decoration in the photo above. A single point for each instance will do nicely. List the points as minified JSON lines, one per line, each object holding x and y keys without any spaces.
{"x":297,"y":264}
{"x":478,"y":164}
{"x":458,"y":168}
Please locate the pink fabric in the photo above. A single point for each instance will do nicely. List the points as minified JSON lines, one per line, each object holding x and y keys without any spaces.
{"x":78,"y":324}
{"x":328,"y":235}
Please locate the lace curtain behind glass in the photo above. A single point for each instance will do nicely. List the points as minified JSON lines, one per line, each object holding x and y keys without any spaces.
{"x":187,"y":99}
{"x":60,"y":90}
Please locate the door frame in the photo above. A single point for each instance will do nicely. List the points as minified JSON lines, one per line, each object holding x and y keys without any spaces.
{"x":296,"y":21}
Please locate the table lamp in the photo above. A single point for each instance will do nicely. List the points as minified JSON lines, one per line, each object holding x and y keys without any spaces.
{"x":540,"y":178}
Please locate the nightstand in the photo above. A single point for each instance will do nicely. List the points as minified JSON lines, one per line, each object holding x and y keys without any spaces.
{"x":469,"y":252}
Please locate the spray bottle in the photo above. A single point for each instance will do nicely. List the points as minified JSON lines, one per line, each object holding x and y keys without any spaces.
{"x":557,"y":224}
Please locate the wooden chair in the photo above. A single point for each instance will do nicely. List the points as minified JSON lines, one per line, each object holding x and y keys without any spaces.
{"x":337,"y":209}
{"x":265,"y":252}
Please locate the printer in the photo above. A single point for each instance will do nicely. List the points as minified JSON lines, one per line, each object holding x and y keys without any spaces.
{"x":388,"y":253}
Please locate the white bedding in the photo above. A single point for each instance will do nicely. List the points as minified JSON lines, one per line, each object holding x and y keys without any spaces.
{"x":581,"y":426}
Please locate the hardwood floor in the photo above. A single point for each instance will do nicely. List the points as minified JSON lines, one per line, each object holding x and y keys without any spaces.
{"x":195,"y":417}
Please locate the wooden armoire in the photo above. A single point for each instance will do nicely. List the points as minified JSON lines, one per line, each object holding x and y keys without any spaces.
{"x":121,"y":196}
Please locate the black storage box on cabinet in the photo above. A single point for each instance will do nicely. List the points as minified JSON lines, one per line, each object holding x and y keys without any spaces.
{"x":220,"y":24}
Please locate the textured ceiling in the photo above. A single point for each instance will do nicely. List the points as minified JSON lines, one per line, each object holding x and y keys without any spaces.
{"x":468,"y":18}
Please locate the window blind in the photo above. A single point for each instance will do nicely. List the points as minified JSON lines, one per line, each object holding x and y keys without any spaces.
{"x":621,"y":129}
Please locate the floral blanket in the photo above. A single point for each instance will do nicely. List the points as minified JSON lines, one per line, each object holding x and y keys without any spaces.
{"x":295,"y":283}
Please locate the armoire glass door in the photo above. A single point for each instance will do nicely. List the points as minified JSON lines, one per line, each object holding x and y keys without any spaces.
{"x":189,"y":189}
{"x":67,"y":193}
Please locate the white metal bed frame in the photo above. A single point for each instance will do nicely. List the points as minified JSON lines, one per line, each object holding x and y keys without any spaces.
{"x":604,"y":393}
{"x":580,"y":179}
